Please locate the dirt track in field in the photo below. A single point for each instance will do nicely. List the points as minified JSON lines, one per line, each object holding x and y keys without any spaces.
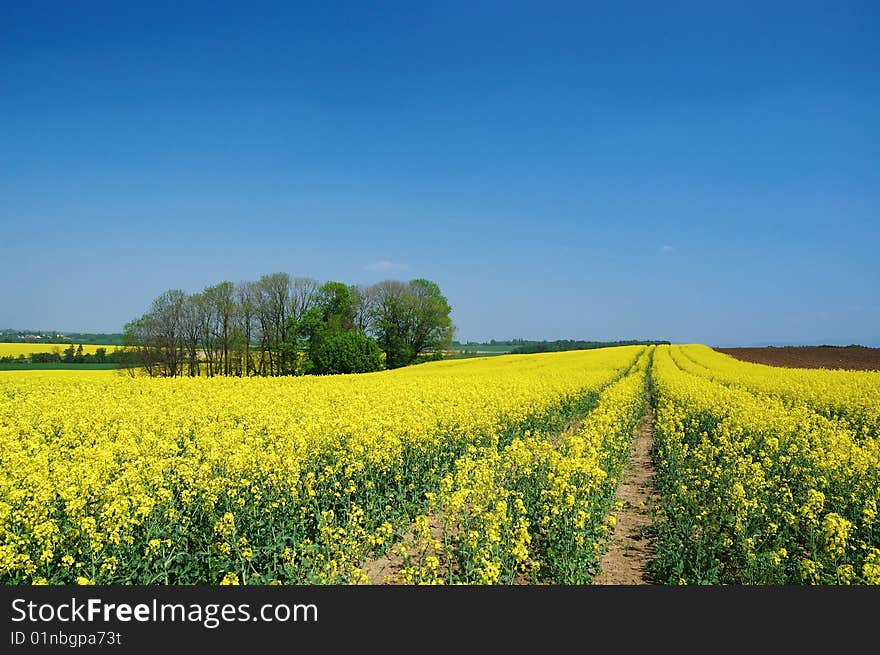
{"x":629,"y":550}
{"x":386,"y":568}
{"x":854,"y":358}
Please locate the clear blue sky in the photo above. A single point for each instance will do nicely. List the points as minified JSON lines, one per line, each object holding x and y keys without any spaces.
{"x":704,"y":172}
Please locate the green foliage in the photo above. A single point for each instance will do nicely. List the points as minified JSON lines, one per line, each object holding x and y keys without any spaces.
{"x":346,"y":352}
{"x":337,"y":305}
{"x":410,"y":320}
{"x":392,"y":337}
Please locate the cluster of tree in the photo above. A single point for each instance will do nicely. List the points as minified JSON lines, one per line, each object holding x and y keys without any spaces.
{"x":280,"y":325}
{"x":570,"y":344}
{"x":71,"y":355}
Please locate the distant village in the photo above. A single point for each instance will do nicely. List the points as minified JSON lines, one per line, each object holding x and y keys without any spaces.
{"x":53,"y":336}
{"x":49,"y":337}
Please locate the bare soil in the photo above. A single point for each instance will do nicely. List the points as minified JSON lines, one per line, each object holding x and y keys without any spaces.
{"x":856,"y":358}
{"x":629,"y":549}
{"x":385,"y":569}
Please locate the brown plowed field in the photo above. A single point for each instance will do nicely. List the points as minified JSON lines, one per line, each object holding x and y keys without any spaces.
{"x":854,"y":358}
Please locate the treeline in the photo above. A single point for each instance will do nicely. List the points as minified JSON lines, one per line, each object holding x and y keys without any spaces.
{"x":93,"y":338}
{"x":495,"y":342}
{"x":71,"y":355}
{"x":279,"y":325}
{"x":570,"y":344}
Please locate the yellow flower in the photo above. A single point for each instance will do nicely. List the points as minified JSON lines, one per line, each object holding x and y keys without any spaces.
{"x":779,"y":556}
{"x":225,"y":527}
{"x":846,"y":573}
{"x":836,"y":530}
{"x":808,"y":570}
{"x":230,"y":579}
{"x":871,"y":568}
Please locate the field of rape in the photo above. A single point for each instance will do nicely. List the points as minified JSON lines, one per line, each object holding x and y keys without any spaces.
{"x":766,"y":475}
{"x":117,"y":480}
{"x":479,"y":471}
{"x":16,"y":349}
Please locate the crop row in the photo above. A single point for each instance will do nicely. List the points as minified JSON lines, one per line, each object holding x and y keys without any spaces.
{"x":116,"y":480}
{"x":535,"y":509}
{"x":759,"y":483}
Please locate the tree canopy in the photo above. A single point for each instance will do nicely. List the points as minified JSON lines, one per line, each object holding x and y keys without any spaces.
{"x":280,"y":325}
{"x":410,"y":319}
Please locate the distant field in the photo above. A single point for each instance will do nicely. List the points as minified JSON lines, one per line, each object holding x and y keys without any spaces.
{"x":16,"y":349}
{"x":470,"y":354}
{"x":57,"y":366}
{"x":482,"y":349}
{"x":479,"y":350}
{"x":14,"y":373}
{"x":855,"y":358}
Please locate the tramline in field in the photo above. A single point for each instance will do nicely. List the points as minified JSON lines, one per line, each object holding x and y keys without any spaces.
{"x":119,"y":480}
{"x":481,"y":471}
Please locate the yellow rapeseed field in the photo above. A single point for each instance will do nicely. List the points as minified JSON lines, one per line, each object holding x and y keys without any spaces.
{"x":478,"y":471}
{"x":767,"y":475}
{"x":534,"y":509}
{"x":111,"y":479}
{"x":16,"y":349}
{"x":69,"y":373}
{"x":853,"y":396}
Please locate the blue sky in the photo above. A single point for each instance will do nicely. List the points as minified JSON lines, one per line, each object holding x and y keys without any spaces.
{"x":699,"y":172}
